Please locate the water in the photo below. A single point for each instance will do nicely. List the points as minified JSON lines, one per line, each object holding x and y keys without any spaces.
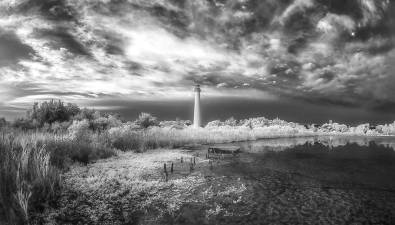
{"x":326,"y":180}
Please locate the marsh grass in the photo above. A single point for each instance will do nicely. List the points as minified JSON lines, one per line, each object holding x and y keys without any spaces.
{"x":31,"y":164}
{"x":26,"y":177}
{"x":129,"y":138}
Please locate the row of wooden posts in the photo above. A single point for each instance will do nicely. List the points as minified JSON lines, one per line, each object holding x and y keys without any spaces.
{"x":192,"y":165}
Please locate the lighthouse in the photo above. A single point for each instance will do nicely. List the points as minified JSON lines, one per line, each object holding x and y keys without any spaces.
{"x":196,"y":113}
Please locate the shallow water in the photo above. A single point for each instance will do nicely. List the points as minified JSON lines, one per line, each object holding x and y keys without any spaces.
{"x":325,"y":180}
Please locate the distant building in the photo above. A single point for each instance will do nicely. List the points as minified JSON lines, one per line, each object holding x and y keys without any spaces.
{"x":196,"y":114}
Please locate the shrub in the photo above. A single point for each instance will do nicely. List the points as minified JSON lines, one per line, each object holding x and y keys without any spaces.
{"x":3,"y":122}
{"x":177,"y":124}
{"x":215,"y":123}
{"x":24,"y":124}
{"x":125,"y":137}
{"x":79,"y":130}
{"x":59,"y":128}
{"x":361,"y":129}
{"x":103,"y":123}
{"x":231,"y":122}
{"x":87,"y":114}
{"x":66,"y":151}
{"x":52,"y":111}
{"x":146,"y":120}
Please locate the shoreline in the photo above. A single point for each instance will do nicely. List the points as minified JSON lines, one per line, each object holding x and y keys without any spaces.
{"x":297,"y":136}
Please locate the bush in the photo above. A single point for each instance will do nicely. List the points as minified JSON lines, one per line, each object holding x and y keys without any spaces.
{"x":3,"y":122}
{"x":24,"y":124}
{"x":79,"y":130}
{"x":52,"y":111}
{"x":215,"y":123}
{"x":125,"y":137}
{"x":146,"y":120}
{"x":177,"y":124}
{"x":66,"y":151}
{"x":103,"y":123}
{"x":231,"y":122}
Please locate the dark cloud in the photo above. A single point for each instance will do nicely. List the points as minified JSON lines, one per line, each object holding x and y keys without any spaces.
{"x":56,"y":10}
{"x":61,"y":38}
{"x":12,"y":49}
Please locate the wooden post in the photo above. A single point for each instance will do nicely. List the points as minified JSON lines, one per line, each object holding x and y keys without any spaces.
{"x":164,"y":168}
{"x":194,"y":160}
{"x":211,"y":165}
{"x":182,"y":160}
{"x":171,"y":170}
{"x":190,"y":167}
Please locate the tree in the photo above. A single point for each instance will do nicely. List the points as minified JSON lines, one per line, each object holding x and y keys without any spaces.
{"x":51,"y":111}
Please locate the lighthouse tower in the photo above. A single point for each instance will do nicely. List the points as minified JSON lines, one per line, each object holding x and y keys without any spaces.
{"x":196,"y":114}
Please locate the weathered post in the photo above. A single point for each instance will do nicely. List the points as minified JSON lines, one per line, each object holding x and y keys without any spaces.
{"x":165,"y":172}
{"x":171,"y":170}
{"x":182,"y":160}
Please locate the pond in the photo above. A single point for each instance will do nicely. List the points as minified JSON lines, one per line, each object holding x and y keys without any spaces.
{"x":314,"y":180}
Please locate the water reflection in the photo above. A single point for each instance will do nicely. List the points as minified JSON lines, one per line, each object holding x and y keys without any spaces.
{"x":334,"y":161}
{"x":280,"y":144}
{"x":315,"y":180}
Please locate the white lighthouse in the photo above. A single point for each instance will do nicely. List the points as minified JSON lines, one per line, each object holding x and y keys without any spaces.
{"x":196,"y":113}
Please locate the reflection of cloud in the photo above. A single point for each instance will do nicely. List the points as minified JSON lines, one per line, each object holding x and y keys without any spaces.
{"x":157,"y":49}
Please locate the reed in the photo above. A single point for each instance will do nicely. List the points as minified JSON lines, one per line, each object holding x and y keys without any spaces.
{"x":26,"y":177}
{"x":31,"y":164}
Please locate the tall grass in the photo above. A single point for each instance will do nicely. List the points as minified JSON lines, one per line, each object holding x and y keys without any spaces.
{"x":30,"y":168}
{"x":26,"y":177}
{"x":129,"y":138}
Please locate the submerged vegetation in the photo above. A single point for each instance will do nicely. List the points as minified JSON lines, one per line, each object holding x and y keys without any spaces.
{"x":36,"y":149}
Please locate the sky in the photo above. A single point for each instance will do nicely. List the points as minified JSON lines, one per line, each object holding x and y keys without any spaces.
{"x":300,"y":60}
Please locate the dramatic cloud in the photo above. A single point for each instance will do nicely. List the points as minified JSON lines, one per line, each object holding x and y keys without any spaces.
{"x":322,"y":51}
